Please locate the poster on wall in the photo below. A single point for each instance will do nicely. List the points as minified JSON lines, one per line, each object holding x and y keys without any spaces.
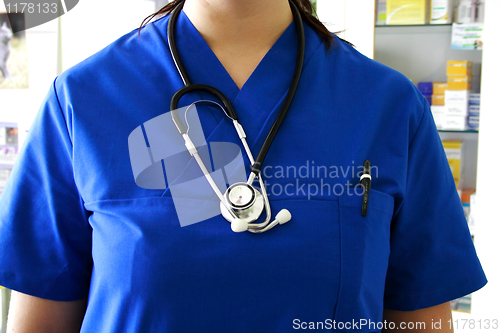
{"x":4,"y":175}
{"x":9,"y":147}
{"x":8,"y":144}
{"x":13,"y":51}
{"x":467,"y":36}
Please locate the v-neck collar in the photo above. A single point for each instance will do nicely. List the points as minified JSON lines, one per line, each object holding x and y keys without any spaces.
{"x":261,"y":97}
{"x":202,"y":65}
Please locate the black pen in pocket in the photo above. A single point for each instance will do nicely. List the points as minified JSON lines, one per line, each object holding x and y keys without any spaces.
{"x":366,"y":182}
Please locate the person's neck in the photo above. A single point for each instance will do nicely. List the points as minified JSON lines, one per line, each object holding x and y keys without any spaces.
{"x":239,"y":32}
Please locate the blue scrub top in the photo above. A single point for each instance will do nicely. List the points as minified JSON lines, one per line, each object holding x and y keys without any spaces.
{"x":74,"y":224}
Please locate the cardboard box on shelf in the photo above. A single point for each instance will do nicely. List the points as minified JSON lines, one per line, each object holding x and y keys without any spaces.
{"x":438,"y":100}
{"x":459,"y":82}
{"x":457,"y":102}
{"x":455,"y":154}
{"x":426,"y":88}
{"x":454,"y":123}
{"x":459,"y":68}
{"x":439,"y":88}
{"x":473,"y":122}
{"x":474,"y":110}
{"x":456,"y":97}
{"x":475,"y":99}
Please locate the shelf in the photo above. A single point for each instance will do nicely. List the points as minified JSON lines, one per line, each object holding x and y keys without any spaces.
{"x":471,"y":136}
{"x":412,"y":25}
{"x":421,"y":52}
{"x":6,"y":166}
{"x":448,"y":131}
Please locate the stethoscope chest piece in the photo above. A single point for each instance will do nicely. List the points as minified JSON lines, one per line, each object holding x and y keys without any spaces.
{"x":246,"y":202}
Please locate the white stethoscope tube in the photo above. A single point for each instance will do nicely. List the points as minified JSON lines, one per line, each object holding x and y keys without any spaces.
{"x":194,"y":153}
{"x":283,"y":216}
{"x":237,"y":223}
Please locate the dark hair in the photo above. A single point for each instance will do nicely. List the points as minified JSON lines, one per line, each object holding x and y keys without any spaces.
{"x":305,"y":8}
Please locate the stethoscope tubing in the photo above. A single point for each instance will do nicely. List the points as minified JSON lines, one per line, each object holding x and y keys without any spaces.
{"x":246,"y":221}
{"x":174,"y":102}
{"x":291,"y":91}
{"x":189,"y":87}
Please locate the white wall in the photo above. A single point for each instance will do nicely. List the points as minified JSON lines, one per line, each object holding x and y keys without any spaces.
{"x":355,"y":18}
{"x":486,"y":302}
{"x":93,"y":24}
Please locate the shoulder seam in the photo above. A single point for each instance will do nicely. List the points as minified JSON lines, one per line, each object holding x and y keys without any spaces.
{"x":60,"y":110}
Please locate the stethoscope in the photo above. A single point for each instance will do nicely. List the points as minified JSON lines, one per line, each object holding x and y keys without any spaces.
{"x":241,"y":204}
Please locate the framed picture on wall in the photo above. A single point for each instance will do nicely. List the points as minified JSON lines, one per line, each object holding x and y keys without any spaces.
{"x":9,"y":148}
{"x":13,"y":51}
{"x":9,"y":144}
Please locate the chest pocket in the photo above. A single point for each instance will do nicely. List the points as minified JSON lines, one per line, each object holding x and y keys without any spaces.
{"x":328,"y":261}
{"x":364,"y":248}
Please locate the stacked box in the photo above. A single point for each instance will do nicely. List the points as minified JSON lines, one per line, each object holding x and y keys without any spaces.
{"x":455,"y":154}
{"x":439,"y":114}
{"x":454,"y":115}
{"x":457,"y":102}
{"x":426,"y":89}
{"x":473,"y":122}
{"x":459,"y":82}
{"x":459,"y":68}
{"x":474,"y":99}
{"x":454,"y":107}
{"x":438,"y":100}
{"x":438,"y":88}
{"x":459,"y":75}
{"x":474,"y":108}
{"x":454,"y":123}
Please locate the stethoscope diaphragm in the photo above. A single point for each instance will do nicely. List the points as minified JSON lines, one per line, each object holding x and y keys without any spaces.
{"x":246,"y":202}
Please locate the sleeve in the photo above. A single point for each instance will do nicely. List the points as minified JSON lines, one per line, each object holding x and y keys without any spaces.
{"x":45,"y":237}
{"x":432,"y":258}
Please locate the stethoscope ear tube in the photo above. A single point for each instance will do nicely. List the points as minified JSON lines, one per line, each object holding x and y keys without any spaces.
{"x":173,"y":47}
{"x":188,"y":86}
{"x":228,"y":108}
{"x":291,"y":91}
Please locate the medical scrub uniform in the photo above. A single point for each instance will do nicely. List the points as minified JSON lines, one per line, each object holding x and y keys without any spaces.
{"x":74,"y":224}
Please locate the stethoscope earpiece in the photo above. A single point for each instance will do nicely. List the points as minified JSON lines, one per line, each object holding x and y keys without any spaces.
{"x":242,"y":204}
{"x":283,"y":216}
{"x":239,"y":226}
